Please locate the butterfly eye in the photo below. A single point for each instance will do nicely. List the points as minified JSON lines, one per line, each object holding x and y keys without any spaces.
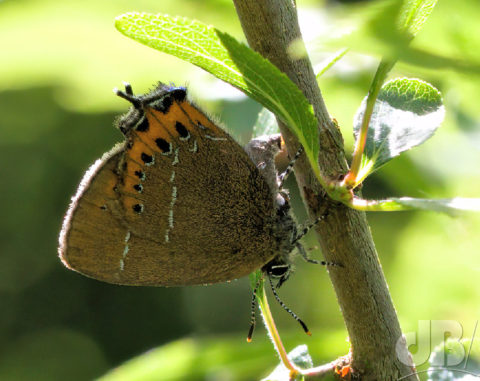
{"x":279,"y":270}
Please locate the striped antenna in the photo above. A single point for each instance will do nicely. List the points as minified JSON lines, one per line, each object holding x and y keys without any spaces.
{"x":304,"y":326}
{"x":252,"y":312}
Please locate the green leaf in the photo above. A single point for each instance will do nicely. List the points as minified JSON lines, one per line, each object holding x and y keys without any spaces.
{"x":232,"y":62}
{"x":266,"y":124}
{"x":411,"y":95}
{"x":451,"y":206}
{"x":300,"y":357}
{"x":407,"y":112}
{"x":414,"y":14}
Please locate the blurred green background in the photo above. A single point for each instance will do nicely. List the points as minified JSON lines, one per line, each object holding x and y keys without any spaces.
{"x":59,"y":62}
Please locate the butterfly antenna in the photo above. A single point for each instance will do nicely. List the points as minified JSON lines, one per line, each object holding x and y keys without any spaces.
{"x":128,"y":88}
{"x":252,"y":312}
{"x":128,"y":95}
{"x":283,"y":176}
{"x":304,"y":326}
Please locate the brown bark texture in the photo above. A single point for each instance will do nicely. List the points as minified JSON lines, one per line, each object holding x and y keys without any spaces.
{"x":270,"y":27}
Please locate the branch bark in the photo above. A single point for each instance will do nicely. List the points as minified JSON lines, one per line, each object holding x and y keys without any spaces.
{"x":370,"y":318}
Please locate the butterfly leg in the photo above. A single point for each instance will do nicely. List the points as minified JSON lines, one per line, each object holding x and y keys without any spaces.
{"x":308,"y":226}
{"x":305,"y":256}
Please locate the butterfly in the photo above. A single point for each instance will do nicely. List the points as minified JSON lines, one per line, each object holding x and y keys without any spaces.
{"x":179,"y":202}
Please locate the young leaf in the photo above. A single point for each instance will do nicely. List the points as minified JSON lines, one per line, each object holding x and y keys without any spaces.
{"x":232,"y":62}
{"x":266,"y":124}
{"x":409,"y":21}
{"x":407,"y":112}
{"x":414,"y":14}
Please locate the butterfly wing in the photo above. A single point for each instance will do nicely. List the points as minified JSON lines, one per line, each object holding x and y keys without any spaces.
{"x":179,"y":203}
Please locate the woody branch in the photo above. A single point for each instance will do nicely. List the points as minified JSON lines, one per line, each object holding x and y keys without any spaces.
{"x":370,"y":318}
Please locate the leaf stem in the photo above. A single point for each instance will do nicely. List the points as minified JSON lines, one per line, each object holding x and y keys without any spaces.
{"x":273,"y":332}
{"x":351,"y":180}
{"x":379,"y":205}
{"x":333,"y":60}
